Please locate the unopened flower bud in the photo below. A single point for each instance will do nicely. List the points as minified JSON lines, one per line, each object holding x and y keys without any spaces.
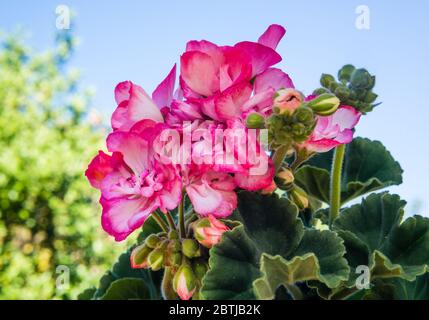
{"x":299,"y":197}
{"x":342,"y":92}
{"x":370,"y":97}
{"x":173,"y":253}
{"x":326,"y":80}
{"x":184,"y":282}
{"x":152,"y":241}
{"x":285,"y":179}
{"x":139,"y":256}
{"x":287,"y":101}
{"x":361,"y":79}
{"x":325,"y":104}
{"x":173,"y":234}
{"x":208,"y":231}
{"x":156,"y":259}
{"x":200,"y":268}
{"x":255,"y":121}
{"x":190,"y":248}
{"x":345,"y":73}
{"x":320,"y":91}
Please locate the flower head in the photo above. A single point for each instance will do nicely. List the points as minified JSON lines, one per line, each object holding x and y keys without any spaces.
{"x":208,"y":231}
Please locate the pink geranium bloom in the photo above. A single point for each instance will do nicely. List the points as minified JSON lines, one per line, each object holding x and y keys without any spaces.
{"x":333,"y":130}
{"x":133,"y":188}
{"x":227,"y":82}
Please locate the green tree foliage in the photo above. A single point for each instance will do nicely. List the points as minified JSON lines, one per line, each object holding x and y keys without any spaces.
{"x":48,"y":213}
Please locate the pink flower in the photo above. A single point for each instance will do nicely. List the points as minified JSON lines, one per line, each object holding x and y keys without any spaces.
{"x":218,"y":78}
{"x":208,"y":231}
{"x":131,"y":189}
{"x":333,"y":130}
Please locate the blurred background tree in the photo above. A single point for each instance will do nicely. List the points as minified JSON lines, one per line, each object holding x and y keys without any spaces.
{"x":48,"y":213}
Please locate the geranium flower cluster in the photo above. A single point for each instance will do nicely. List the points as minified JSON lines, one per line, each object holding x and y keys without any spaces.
{"x":176,"y":141}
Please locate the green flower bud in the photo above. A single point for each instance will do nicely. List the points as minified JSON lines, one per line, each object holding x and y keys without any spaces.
{"x":370,"y":97}
{"x":299,"y":197}
{"x":173,"y":234}
{"x":304,"y":115}
{"x":284,"y":179}
{"x":156,"y":259}
{"x":200,"y":268}
{"x":184,"y":282}
{"x":320,"y":91}
{"x":139,"y":256}
{"x":326,"y":80}
{"x":361,"y":79}
{"x":325,"y":104}
{"x":152,"y":241}
{"x":342,"y":92}
{"x":255,"y":121}
{"x":345,"y":73}
{"x":190,"y":248}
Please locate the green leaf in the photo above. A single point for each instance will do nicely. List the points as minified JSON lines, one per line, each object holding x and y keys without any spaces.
{"x":271,"y":236}
{"x":375,"y":235}
{"x":127,"y":289}
{"x":368,"y":166}
{"x":87,"y":294}
{"x":122,"y":269}
{"x":150,"y":226}
{"x":318,"y":257}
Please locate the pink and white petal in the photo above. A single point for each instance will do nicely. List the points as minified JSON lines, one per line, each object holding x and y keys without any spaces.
{"x":205,"y":199}
{"x":262,"y":57}
{"x":122,"y":91}
{"x":260,"y":100}
{"x":163,"y":94}
{"x":272,"y":78}
{"x":169,"y":199}
{"x":141,"y":106}
{"x":121,"y":216}
{"x":346,"y":117}
{"x":253,"y":182}
{"x":134,"y":149}
{"x":213,"y":50}
{"x":272,"y":36}
{"x":345,"y":136}
{"x":120,"y":120}
{"x":228,"y":204}
{"x":99,"y":168}
{"x":228,"y":104}
{"x":199,"y":72}
{"x":322,"y":145}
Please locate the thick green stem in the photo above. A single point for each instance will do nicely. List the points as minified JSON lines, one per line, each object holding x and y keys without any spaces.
{"x":170,"y":221}
{"x":160,"y":221}
{"x":167,"y":285}
{"x":279,"y":156}
{"x":335,"y":192}
{"x":182,"y":217}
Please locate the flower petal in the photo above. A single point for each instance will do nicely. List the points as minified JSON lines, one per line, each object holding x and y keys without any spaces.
{"x":272,"y":36}
{"x":163,"y":94}
{"x":199,"y":72}
{"x":272,"y":78}
{"x":262,"y":57}
{"x":228,"y":104}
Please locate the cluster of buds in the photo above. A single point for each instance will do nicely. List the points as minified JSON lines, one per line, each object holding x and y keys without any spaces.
{"x":293,"y":119}
{"x":185,"y":257}
{"x":354,"y":87}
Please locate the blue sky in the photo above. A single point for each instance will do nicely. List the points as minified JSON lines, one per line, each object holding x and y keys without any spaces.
{"x":141,"y":40}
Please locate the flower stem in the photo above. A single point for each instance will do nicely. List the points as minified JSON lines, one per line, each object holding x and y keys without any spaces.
{"x":279,"y":156}
{"x":182,"y":217}
{"x":160,"y":221}
{"x":167,"y":285}
{"x":335,"y":192}
{"x":170,"y":221}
